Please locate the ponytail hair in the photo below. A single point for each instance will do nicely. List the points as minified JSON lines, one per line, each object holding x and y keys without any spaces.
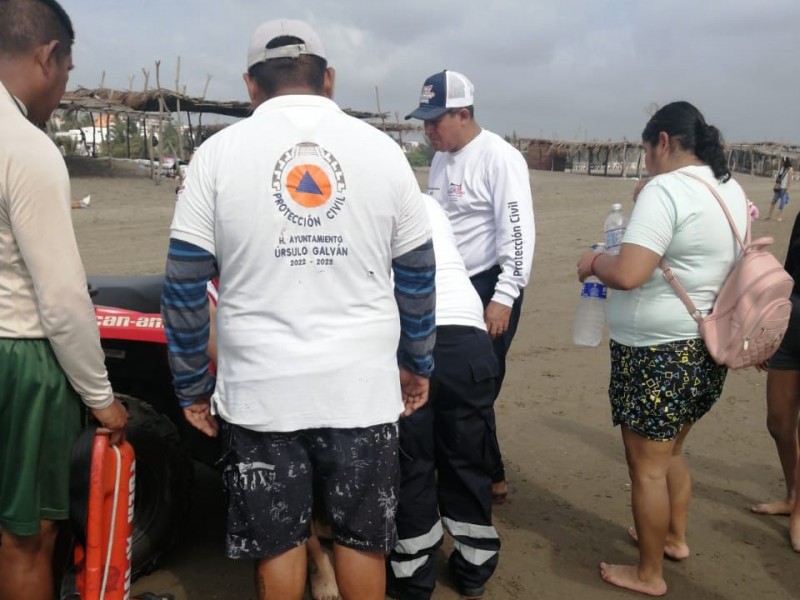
{"x":687,"y":126}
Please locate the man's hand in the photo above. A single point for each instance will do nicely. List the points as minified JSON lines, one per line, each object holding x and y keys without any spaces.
{"x":496,"y":318}
{"x":200,"y":417}
{"x":112,"y":419}
{"x":414,"y":389}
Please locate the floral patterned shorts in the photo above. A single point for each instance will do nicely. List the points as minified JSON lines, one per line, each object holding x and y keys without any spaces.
{"x":655,"y":390}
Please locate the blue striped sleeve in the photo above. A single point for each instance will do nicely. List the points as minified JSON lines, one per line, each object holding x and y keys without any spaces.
{"x":184,"y":308}
{"x":415,"y":292}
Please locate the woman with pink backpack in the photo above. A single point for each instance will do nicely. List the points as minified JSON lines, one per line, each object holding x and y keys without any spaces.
{"x":663,"y":378}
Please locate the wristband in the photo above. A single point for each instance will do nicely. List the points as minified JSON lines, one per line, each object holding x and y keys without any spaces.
{"x":591,"y":264}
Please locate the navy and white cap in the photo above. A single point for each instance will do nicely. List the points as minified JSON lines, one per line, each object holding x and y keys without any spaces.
{"x":441,"y":92}
{"x":266,"y":32}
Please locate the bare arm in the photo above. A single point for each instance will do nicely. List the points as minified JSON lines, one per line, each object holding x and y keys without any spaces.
{"x":631,"y":268}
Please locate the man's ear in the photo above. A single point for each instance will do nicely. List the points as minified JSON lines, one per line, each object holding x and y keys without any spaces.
{"x":46,"y":56}
{"x":330,"y":80}
{"x":252,"y":88}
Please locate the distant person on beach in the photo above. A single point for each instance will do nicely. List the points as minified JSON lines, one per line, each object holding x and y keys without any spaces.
{"x":304,"y":213}
{"x":783,"y":396}
{"x":483,"y":184}
{"x":780,"y":191}
{"x":51,"y":361}
{"x":662,"y":377}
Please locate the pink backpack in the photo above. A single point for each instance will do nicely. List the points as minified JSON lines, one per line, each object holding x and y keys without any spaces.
{"x":751,"y":312}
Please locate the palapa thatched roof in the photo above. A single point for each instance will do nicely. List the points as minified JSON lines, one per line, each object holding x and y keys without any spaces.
{"x":118,"y":101}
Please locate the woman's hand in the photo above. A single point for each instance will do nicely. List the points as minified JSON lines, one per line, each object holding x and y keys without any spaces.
{"x":585,"y":264}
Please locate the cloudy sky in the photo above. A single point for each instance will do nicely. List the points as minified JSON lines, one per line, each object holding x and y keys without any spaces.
{"x":573,"y":69}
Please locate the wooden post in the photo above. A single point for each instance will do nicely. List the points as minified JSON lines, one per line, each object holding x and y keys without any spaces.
{"x":378,"y":103}
{"x":399,"y":129}
{"x":94,"y":136}
{"x":160,"y":123}
{"x":752,"y":162}
{"x":178,"y":110}
{"x":608,"y":155}
{"x":191,"y":130}
{"x":589,"y":162}
{"x":639,"y":165}
{"x":148,"y":137}
{"x":128,"y":134}
{"x":625,"y":160}
{"x":108,"y":137}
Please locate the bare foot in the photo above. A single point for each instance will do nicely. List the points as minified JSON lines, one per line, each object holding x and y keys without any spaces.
{"x":323,"y":579}
{"x":625,"y":576}
{"x":672,"y":550}
{"x":783,"y":507}
{"x":794,"y":532}
{"x":499,"y":492}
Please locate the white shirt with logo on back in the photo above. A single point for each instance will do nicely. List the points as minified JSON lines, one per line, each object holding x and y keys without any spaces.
{"x":304,"y":209}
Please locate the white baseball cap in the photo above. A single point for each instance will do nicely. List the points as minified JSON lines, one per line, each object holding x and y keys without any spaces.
{"x":267,"y":32}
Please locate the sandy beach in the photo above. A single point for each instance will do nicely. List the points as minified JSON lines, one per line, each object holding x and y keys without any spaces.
{"x":569,"y":502}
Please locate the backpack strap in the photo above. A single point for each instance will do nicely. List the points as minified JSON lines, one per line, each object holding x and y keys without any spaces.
{"x":667,"y":273}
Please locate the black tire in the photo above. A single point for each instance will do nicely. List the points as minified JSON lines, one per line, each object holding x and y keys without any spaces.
{"x":164,"y":477}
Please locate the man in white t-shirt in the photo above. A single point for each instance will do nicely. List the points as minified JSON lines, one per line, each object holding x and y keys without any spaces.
{"x":444,"y":464}
{"x":483,"y":184}
{"x":305,"y":213}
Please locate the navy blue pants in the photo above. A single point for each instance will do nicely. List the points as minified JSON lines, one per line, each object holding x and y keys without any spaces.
{"x":446,"y":449}
{"x":484,"y":283}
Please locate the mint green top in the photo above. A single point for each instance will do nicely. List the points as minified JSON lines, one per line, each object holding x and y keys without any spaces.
{"x":678,"y":218}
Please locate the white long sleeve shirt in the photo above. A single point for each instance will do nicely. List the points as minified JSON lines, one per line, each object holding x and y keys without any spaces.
{"x":43,"y":291}
{"x":484,"y":189}
{"x":457,"y":302}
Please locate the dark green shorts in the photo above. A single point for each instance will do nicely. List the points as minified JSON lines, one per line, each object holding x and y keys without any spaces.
{"x":39,"y":422}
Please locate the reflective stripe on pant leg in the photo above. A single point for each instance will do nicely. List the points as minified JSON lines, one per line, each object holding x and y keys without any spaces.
{"x":402,"y":559}
{"x":467,"y":542}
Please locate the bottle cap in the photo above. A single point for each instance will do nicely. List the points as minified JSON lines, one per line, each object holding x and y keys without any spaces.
{"x":599,"y":247}
{"x":616,"y":207}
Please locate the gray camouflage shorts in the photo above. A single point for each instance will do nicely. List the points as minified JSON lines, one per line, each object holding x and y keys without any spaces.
{"x":270,"y":479}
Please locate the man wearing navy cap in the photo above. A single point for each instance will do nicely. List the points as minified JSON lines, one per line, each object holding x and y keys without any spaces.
{"x":483,"y":185}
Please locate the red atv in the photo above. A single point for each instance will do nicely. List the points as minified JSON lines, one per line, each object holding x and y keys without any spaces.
{"x":133,"y":338}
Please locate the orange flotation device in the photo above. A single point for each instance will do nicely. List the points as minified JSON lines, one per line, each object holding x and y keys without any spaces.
{"x":103,"y":555}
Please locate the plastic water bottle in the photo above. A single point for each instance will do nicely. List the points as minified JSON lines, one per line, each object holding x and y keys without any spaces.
{"x":614,"y":229}
{"x":591,"y":316}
